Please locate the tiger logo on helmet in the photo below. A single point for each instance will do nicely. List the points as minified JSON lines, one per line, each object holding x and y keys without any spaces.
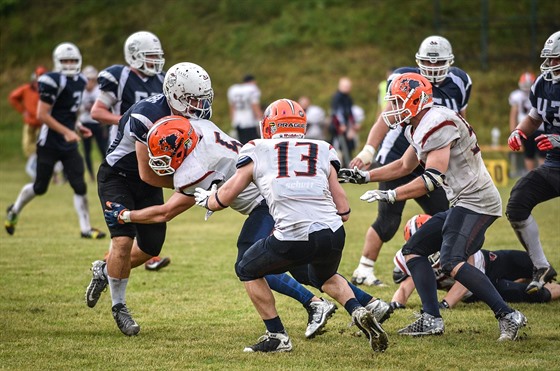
{"x":170,"y":141}
{"x":407,"y":95}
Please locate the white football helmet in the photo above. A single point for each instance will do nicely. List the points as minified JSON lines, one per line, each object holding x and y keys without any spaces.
{"x":143,"y":51}
{"x":551,"y":50}
{"x":188,"y":90}
{"x":70,"y":54}
{"x":435,"y":49}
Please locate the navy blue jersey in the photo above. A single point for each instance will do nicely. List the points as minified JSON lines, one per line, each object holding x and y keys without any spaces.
{"x":64,"y":93}
{"x":453,"y":92}
{"x":545,"y":98}
{"x":134,"y":126}
{"x":127,"y":87}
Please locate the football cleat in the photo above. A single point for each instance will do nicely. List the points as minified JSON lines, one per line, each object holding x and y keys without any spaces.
{"x":156,"y":263}
{"x":510,"y":324}
{"x":124,"y":320}
{"x":98,"y":283}
{"x":94,"y":234}
{"x":366,"y":322}
{"x":11,"y":220}
{"x":381,"y":310}
{"x":319,"y":313}
{"x":365,"y":276}
{"x":426,"y":324}
{"x":271,"y":342}
{"x":540,"y":277}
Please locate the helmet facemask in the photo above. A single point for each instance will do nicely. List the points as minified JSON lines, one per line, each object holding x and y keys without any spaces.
{"x":143,"y":51}
{"x":67,"y":59}
{"x":551,"y":50}
{"x":434,"y":58}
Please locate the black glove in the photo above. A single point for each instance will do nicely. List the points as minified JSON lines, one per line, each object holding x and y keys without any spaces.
{"x":397,"y":305}
{"x":354,"y":176}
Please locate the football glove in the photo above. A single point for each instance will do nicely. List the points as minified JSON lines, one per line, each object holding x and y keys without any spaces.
{"x":355,"y":176}
{"x":389,"y":196}
{"x":202,"y":195}
{"x":114,"y":214}
{"x":514,"y":140}
{"x":546,"y":142}
{"x":444,"y":304}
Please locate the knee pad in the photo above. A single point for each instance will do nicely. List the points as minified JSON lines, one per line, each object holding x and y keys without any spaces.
{"x":388,"y":227}
{"x":80,"y":188}
{"x":447,"y":266}
{"x":40,"y":187}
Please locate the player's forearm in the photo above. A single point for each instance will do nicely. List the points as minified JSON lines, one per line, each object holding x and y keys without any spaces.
{"x":377,"y":133}
{"x":406,"y":288}
{"x":394,"y":170}
{"x":414,"y":189}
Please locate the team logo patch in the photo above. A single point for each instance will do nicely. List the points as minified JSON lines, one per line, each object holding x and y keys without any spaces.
{"x":169,"y":143}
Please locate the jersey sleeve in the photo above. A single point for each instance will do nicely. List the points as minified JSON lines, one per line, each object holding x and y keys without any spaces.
{"x":108,"y":80}
{"x":333,"y":158}
{"x":246,"y":155}
{"x":48,"y":87}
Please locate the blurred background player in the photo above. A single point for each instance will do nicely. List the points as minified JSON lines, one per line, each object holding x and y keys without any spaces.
{"x":121,"y":86}
{"x":451,"y":88}
{"x":343,"y":127}
{"x":316,"y":119}
{"x":520,"y":107}
{"x":245,"y":108}
{"x":98,"y":131}
{"x":24,"y":99}
{"x":60,"y":94}
{"x":543,"y":183}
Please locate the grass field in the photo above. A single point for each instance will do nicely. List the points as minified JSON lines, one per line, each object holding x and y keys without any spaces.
{"x":195,"y":314}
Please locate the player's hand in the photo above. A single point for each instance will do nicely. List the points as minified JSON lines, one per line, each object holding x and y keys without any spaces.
{"x":86,"y":132}
{"x":355,"y":176}
{"x":396,"y":305}
{"x":202,"y":195}
{"x":71,"y":137}
{"x":389,"y":196}
{"x":546,"y":142}
{"x":514,"y":140}
{"x":113,"y":213}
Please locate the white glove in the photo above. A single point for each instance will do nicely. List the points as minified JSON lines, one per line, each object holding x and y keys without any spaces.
{"x":201,"y":195}
{"x":366,"y":155}
{"x":389,"y":196}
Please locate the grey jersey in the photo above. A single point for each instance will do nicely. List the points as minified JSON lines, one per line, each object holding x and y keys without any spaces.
{"x":213,"y":161}
{"x":467,"y":181}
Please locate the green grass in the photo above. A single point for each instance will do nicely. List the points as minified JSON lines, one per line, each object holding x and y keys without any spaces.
{"x":195,"y":314}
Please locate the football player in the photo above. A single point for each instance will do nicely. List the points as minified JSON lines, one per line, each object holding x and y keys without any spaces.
{"x":126,"y":177}
{"x":510,"y":271}
{"x":60,"y":95}
{"x":543,"y":183}
{"x":298,"y":180}
{"x":121,"y":86}
{"x":446,"y":146}
{"x":451,"y":88}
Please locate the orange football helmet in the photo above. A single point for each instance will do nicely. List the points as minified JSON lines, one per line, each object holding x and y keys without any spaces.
{"x":526,"y":80}
{"x":407,"y":95}
{"x":170,"y":141}
{"x":283,"y":118}
{"x":413,"y":224}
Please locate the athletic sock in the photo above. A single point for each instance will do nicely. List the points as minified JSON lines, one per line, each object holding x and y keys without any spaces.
{"x":25,"y":196}
{"x":351,"y":305}
{"x":527,"y":232}
{"x":274,"y":325}
{"x":287,"y":285}
{"x":82,"y":209}
{"x":425,"y":282}
{"x":118,"y":290}
{"x":480,"y":285}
